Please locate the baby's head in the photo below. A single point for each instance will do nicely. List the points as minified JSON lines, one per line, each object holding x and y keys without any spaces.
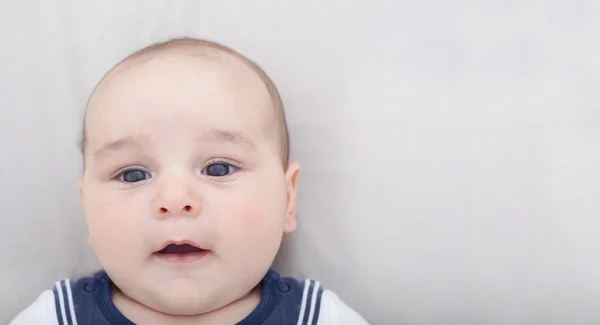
{"x":185,"y":142}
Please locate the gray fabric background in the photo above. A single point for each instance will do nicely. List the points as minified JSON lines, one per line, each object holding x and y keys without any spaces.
{"x":450,"y":148}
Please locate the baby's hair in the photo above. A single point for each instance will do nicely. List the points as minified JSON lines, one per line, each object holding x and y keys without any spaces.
{"x":200,"y":44}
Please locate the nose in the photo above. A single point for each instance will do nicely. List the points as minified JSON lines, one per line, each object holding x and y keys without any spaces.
{"x":177,"y":199}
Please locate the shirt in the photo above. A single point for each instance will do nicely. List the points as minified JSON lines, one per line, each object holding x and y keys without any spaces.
{"x":87,"y":301}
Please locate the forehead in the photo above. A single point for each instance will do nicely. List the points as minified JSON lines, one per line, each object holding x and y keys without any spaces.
{"x":181,"y":91}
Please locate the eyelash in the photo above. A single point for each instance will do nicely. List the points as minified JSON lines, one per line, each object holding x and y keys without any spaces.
{"x":117,"y":176}
{"x":220,"y":161}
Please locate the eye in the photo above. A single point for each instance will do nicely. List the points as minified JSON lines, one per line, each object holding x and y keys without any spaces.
{"x":133,"y":176}
{"x":218,"y":169}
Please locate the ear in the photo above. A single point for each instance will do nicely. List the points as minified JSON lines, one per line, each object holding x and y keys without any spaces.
{"x":291,"y":176}
{"x":80,"y":186}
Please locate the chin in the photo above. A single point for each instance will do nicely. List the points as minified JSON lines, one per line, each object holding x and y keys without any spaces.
{"x":184,"y":304}
{"x":181,"y":310}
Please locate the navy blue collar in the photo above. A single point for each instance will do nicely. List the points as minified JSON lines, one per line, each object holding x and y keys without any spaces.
{"x":257,"y":316}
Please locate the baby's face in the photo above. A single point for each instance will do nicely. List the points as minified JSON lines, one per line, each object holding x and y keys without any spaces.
{"x":183,"y":149}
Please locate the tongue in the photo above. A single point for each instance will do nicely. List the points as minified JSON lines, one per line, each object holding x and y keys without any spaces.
{"x":180,"y":249}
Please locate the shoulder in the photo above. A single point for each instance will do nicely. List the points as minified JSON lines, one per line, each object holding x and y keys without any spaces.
{"x":41,"y":312}
{"x":62,"y":304}
{"x":334,"y":311}
{"x":311,"y":304}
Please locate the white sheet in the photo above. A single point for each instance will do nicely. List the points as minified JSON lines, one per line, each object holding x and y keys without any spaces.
{"x":450,"y":149}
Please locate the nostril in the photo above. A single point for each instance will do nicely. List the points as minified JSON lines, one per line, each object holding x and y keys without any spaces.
{"x":163,"y":210}
{"x":187,"y":208}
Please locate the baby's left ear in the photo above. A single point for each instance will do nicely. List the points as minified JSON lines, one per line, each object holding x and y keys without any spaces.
{"x":291,"y":176}
{"x":80,"y":188}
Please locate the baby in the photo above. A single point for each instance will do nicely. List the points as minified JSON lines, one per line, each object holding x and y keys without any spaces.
{"x":187,"y":192}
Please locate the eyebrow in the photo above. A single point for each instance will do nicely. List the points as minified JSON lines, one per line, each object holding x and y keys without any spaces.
{"x":230,"y":136}
{"x":129,"y":142}
{"x":134,"y":142}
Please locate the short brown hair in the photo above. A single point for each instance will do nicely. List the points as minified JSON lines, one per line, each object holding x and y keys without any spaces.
{"x":195,"y":43}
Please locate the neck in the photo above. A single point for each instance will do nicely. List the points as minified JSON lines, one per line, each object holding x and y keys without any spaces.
{"x":226,"y":315}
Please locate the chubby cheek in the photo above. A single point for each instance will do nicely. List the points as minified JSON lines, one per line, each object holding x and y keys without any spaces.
{"x":113,"y":225}
{"x":252,"y":227}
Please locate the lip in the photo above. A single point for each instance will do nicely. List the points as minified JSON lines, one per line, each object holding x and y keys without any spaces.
{"x":178,"y":242}
{"x":181,"y":258}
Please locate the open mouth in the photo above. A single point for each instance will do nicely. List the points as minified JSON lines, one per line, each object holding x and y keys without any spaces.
{"x":183,"y":252}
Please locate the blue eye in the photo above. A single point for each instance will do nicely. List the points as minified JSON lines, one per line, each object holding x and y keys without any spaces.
{"x":133,"y":176}
{"x":218,"y":170}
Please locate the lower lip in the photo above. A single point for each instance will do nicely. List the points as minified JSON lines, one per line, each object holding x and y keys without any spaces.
{"x":182,"y":258}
